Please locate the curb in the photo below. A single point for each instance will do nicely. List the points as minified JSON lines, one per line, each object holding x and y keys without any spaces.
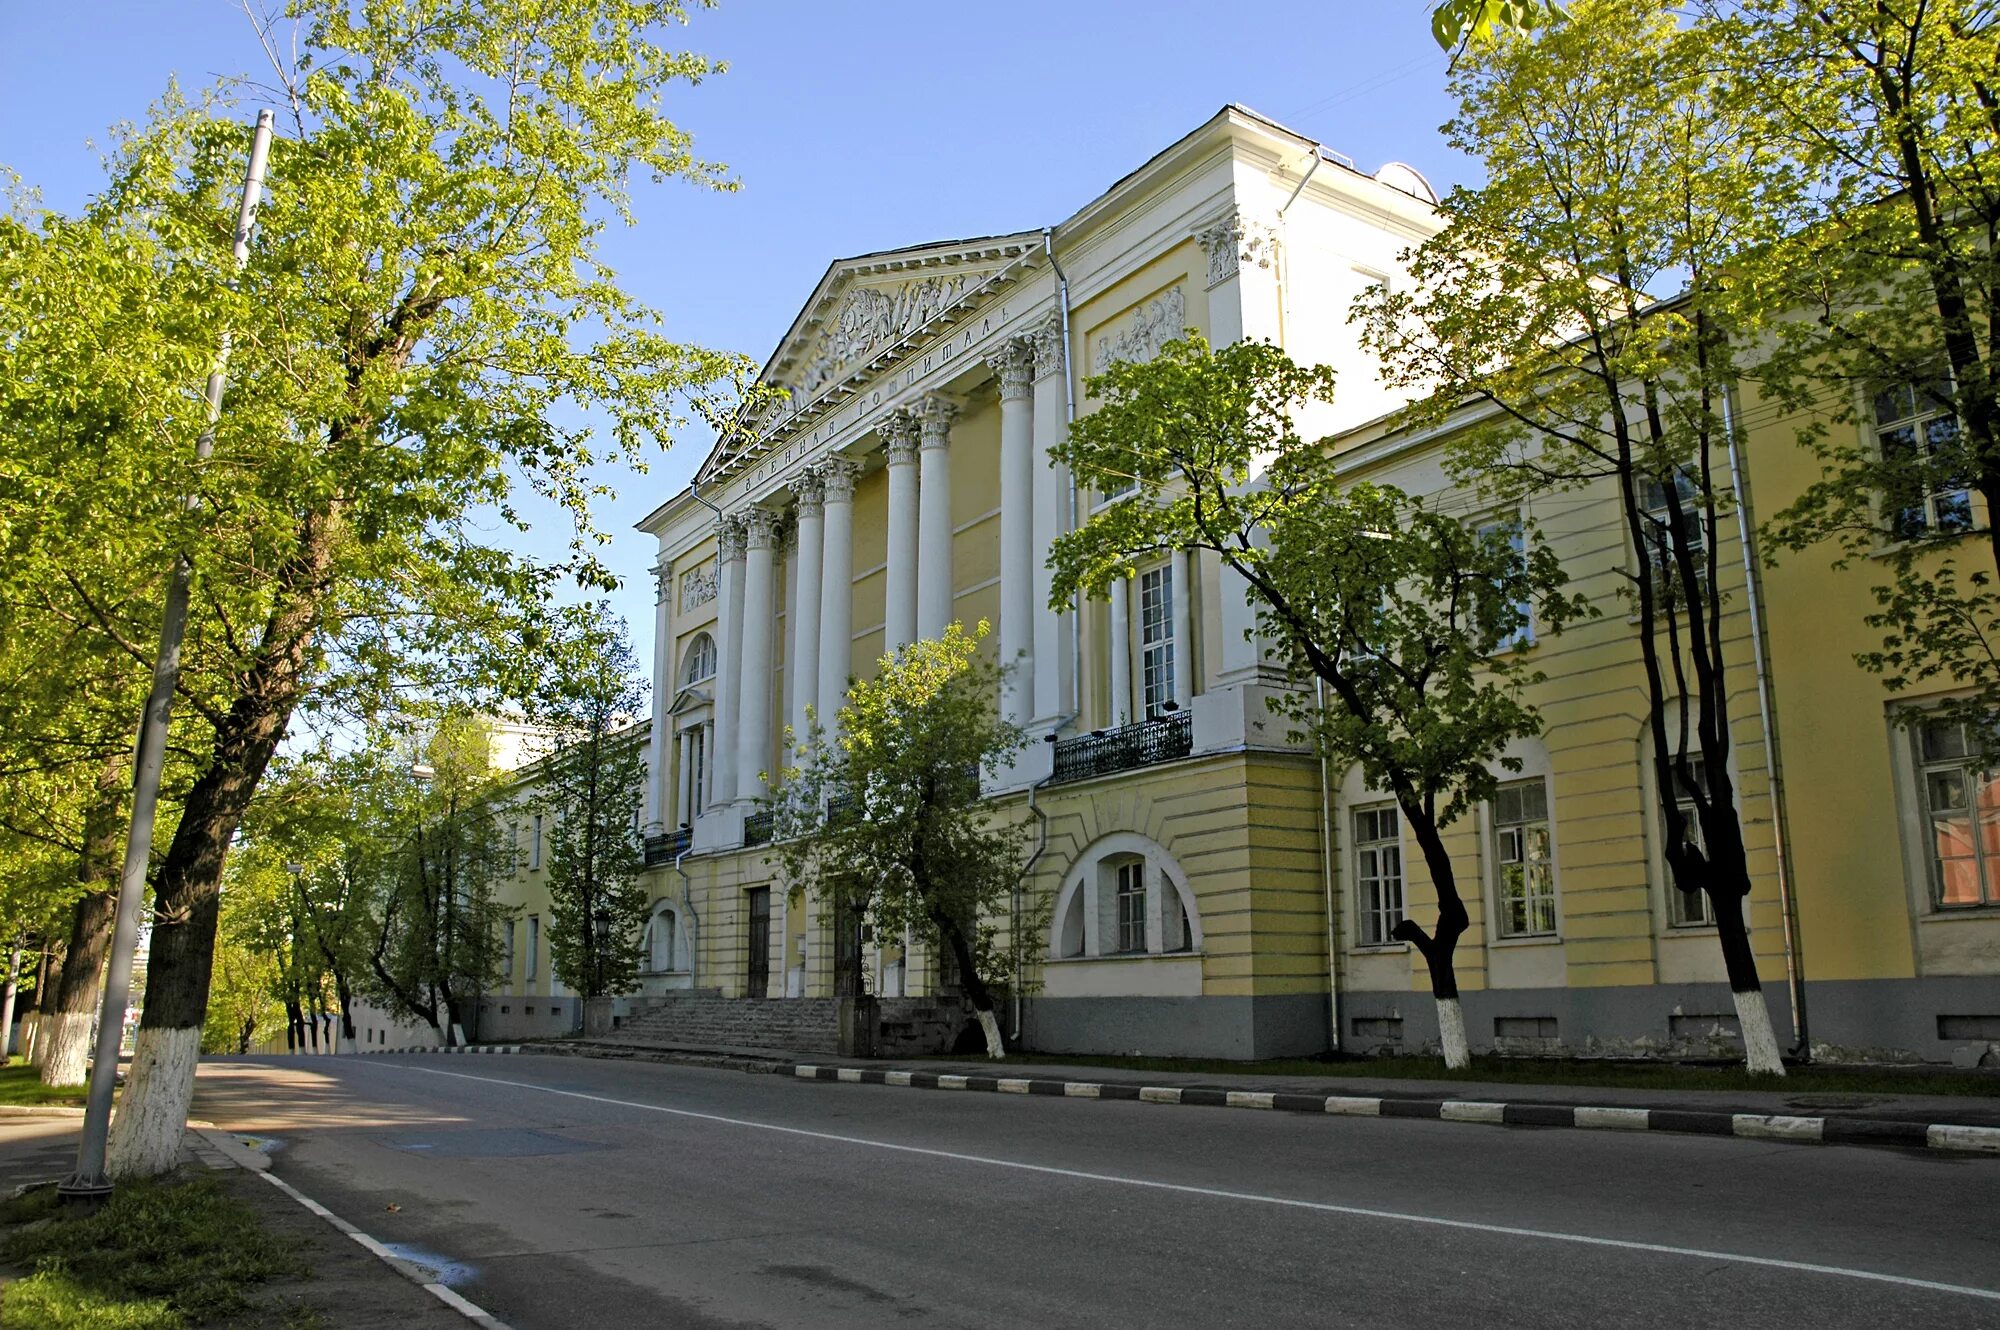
{"x":464,"y":1048}
{"x":40,"y":1111}
{"x":1702,"y":1122}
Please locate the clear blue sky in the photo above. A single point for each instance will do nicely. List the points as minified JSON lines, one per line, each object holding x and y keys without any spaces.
{"x":852,"y":127}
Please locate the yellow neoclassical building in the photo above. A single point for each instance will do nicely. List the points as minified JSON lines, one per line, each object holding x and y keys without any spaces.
{"x":1210,"y":889}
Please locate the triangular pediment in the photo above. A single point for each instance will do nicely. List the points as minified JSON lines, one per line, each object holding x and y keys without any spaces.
{"x":867,"y":310}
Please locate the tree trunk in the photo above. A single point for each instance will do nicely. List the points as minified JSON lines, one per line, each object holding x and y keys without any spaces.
{"x":1439,"y":947}
{"x":45,"y":999}
{"x":146,"y":1133}
{"x":7,"y":1002}
{"x":976,"y":991}
{"x":66,"y":1034}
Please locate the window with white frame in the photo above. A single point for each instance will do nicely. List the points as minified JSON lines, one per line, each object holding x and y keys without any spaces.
{"x":1660,"y":524}
{"x":1525,"y":874}
{"x":1378,"y":873}
{"x":695,"y":739}
{"x":1131,"y":892}
{"x":507,"y":950}
{"x":1916,"y":429}
{"x":535,"y":844}
{"x":1961,"y":802}
{"x":1156,"y":638}
{"x":698,"y":661}
{"x":1687,"y":909}
{"x":1508,"y":528}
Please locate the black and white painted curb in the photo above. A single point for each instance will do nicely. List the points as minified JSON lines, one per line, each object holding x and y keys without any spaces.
{"x":243,"y":1155}
{"x":463,"y":1048}
{"x":1836,"y":1130}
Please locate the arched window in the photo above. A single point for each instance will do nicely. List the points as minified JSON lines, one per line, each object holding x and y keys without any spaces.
{"x":698,"y":663}
{"x":1124,"y":896}
{"x":663,"y":941}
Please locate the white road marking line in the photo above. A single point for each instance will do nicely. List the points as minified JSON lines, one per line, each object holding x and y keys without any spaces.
{"x":1254,"y":1198}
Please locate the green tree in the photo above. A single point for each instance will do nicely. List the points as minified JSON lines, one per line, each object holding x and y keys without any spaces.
{"x":1460,"y":24}
{"x":424,"y":305}
{"x":434,"y":945}
{"x":888,"y":823}
{"x":1619,"y":169}
{"x":1892,"y":108}
{"x":590,"y":785}
{"x":1405,"y":617}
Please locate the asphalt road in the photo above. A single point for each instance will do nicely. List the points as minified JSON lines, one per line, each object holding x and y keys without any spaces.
{"x":563,"y":1193}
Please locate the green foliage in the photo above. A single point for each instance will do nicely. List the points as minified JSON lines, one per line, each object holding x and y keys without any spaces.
{"x":21,"y":1083}
{"x":590,"y":785}
{"x":1406,"y":614}
{"x":1890,"y":108}
{"x":158,"y":1254}
{"x":887,"y":822}
{"x":1460,"y":24}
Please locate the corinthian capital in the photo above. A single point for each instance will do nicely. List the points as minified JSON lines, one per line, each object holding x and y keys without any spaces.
{"x":935,"y":417}
{"x":837,"y":475}
{"x":1048,"y":344}
{"x":899,"y":436}
{"x":810,"y":491}
{"x":760,"y":528}
{"x":728,"y":537}
{"x":1234,"y":240}
{"x":1013,"y":364}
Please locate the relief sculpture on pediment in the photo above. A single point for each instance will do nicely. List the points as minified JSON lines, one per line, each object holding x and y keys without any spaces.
{"x":870,"y":318}
{"x":1152,"y":325}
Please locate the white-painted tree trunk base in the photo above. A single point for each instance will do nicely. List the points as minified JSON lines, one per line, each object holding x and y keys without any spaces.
{"x":1760,"y":1042}
{"x":1451,"y":1034}
{"x":32,"y":1042}
{"x":996,"y":1047}
{"x":66,"y":1050}
{"x":151,"y":1117}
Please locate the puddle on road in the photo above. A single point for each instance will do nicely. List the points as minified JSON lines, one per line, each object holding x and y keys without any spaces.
{"x":435,"y":1269}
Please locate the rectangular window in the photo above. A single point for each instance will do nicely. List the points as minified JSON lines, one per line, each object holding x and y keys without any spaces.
{"x":1132,"y":906}
{"x":1660,"y":526}
{"x":1687,"y":909}
{"x":1916,"y":428}
{"x":513,"y":847}
{"x":534,"y":944}
{"x":535,"y":844}
{"x":1526,"y":877}
{"x":1961,"y":799}
{"x":696,"y":740}
{"x":1510,"y":529}
{"x":1378,"y":873}
{"x":507,"y":950}
{"x":1156,"y":637}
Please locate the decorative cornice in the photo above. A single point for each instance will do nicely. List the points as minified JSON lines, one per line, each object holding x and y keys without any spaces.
{"x":899,"y":436}
{"x":760,"y":528}
{"x":1013,"y":364}
{"x":1233,"y":241}
{"x":935,"y":416}
{"x":729,"y":539}
{"x":837,"y":476}
{"x":1048,"y":345}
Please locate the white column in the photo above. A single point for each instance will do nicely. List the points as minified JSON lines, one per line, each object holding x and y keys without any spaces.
{"x":805,"y":617}
{"x":707,"y":783}
{"x":684,"y":785}
{"x":934,"y":575}
{"x":1053,"y":635}
{"x":663,"y":674}
{"x":1013,"y":365}
{"x":729,"y":659}
{"x":753,"y":726}
{"x":899,"y":614}
{"x":836,"y":593}
{"x":1184,"y":567}
{"x":1120,"y":647}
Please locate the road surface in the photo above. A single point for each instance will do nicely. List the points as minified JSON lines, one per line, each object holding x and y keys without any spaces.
{"x":559,"y":1193}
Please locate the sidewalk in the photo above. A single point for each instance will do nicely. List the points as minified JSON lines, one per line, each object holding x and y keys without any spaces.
{"x":346,"y":1286}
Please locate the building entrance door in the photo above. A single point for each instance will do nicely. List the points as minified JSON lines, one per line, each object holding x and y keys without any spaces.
{"x":847,"y":943}
{"x":757,"y":971}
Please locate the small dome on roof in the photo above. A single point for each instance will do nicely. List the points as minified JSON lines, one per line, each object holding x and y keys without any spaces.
{"x":1408,"y":179}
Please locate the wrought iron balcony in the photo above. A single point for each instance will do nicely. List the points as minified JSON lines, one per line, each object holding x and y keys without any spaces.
{"x":757,"y":828}
{"x":1137,"y":745}
{"x":667,"y":846}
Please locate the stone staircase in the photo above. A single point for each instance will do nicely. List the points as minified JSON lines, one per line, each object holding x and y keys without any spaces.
{"x":797,"y":1025}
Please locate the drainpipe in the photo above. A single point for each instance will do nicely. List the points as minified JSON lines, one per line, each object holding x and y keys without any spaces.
{"x":1326,"y":851}
{"x":1284,"y":279}
{"x":1069,"y":408}
{"x":1795,"y":968}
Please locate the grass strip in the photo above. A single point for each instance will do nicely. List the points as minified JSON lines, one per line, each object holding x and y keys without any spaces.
{"x":22,"y":1084}
{"x":159,"y":1255}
